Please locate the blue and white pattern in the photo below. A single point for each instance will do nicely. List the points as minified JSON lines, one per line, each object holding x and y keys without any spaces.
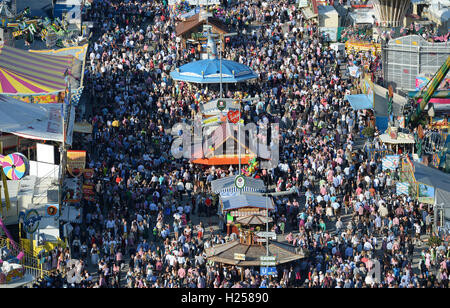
{"x":402,"y":188}
{"x":75,"y":98}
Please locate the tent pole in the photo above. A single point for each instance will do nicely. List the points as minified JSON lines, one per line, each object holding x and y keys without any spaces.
{"x":239,"y":144}
{"x":220,"y":50}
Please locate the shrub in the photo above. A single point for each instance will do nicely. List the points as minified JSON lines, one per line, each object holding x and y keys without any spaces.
{"x":368,"y":132}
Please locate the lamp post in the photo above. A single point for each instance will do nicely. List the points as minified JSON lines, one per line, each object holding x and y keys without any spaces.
{"x":438,"y":209}
{"x":221,"y":42}
{"x":220,"y":64}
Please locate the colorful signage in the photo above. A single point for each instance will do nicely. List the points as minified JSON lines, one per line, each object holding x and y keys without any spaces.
{"x":268,"y":271}
{"x":426,"y":194}
{"x":76,"y":162}
{"x":234,"y":116}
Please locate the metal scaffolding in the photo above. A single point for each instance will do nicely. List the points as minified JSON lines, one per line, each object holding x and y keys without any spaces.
{"x":411,"y":56}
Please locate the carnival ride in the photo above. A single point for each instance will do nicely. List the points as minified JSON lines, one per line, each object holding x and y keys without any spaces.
{"x":54,"y":32}
{"x":11,"y":255}
{"x":15,"y":260}
{"x":432,"y":143}
{"x":413,"y":109}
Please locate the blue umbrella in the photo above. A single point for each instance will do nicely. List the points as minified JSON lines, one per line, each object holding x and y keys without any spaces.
{"x":208,"y":71}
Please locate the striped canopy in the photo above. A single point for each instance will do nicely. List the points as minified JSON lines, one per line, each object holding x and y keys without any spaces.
{"x":23,"y":72}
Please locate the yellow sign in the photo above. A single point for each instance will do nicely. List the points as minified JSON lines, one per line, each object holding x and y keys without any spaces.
{"x":76,"y":162}
{"x":17,"y":33}
{"x":363,"y":46}
{"x":38,"y":99}
{"x":239,"y":256}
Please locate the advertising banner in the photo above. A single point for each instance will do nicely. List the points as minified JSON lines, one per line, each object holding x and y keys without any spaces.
{"x":367,"y":87}
{"x":374,"y":48}
{"x":390,"y":162}
{"x":38,"y":99}
{"x":303,"y":3}
{"x":76,"y":162}
{"x":354,"y":71}
{"x":426,"y":194}
{"x":268,"y":271}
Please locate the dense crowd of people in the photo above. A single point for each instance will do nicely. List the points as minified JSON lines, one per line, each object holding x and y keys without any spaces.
{"x":139,"y":231}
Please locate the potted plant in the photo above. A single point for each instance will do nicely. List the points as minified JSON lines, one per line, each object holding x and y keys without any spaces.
{"x":368,"y":132}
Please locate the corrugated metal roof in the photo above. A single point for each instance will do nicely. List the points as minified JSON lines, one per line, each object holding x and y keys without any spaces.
{"x":227,"y":185}
{"x":243,"y":201}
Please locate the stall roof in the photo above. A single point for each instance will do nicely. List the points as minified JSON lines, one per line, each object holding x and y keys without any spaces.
{"x":245,"y":201}
{"x":33,"y":121}
{"x":226,"y":184}
{"x":224,"y":253}
{"x":359,"y":101}
{"x":401,"y":139}
{"x":195,"y":21}
{"x":326,"y":10}
{"x":308,"y":13}
{"x":431,"y":176}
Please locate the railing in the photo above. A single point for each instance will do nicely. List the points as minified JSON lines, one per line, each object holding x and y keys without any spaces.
{"x":28,"y":261}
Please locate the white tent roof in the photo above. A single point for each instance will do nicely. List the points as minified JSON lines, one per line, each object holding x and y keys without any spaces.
{"x":33,"y":121}
{"x":362,"y":16}
{"x":401,"y":139}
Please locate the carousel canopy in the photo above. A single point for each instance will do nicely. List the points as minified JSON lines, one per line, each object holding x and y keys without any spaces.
{"x":224,"y":253}
{"x":208,"y":71}
{"x":28,"y":73}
